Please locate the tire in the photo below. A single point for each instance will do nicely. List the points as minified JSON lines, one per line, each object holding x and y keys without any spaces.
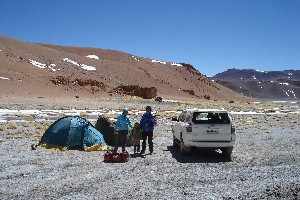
{"x":184,"y":150}
{"x":227,"y":151}
{"x":175,"y":144}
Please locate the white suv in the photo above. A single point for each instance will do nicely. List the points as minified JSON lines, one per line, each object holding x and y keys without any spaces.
{"x":208,"y":128}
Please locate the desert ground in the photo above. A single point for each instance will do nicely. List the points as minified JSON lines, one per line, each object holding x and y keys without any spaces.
{"x":265,"y":163}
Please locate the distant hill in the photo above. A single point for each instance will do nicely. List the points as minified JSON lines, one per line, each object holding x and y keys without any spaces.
{"x":275,"y":85}
{"x":45,"y":70}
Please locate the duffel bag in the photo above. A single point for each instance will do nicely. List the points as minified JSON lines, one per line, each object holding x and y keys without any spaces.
{"x":107,"y":156}
{"x":125,"y":156}
{"x":115,"y":157}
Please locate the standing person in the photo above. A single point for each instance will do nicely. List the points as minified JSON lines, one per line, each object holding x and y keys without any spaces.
{"x":123,"y":121}
{"x":148,"y":122}
{"x":136,"y":136}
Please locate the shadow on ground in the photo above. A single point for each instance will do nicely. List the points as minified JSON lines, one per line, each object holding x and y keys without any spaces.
{"x":137,"y":155}
{"x":198,"y":156}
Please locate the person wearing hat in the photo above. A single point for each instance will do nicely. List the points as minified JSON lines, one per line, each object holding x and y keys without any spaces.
{"x":123,"y":121}
{"x":147,"y":123}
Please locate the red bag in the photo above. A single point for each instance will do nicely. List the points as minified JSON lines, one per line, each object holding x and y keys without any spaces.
{"x":125,"y":156}
{"x":115,"y":157}
{"x":107,"y":156}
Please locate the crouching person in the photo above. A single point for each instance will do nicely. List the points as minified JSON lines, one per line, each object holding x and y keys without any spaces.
{"x":123,"y":121}
{"x":136,"y":136}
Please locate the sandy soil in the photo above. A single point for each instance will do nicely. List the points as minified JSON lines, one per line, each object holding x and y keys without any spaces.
{"x":265,"y":163}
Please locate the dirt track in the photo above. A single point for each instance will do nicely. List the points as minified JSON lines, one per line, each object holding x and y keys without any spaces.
{"x":265,"y":165}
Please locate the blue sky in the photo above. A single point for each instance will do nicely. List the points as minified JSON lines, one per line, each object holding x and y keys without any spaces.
{"x":212,"y":35}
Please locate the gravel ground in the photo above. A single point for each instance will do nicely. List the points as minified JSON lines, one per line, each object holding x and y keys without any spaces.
{"x":265,"y":165}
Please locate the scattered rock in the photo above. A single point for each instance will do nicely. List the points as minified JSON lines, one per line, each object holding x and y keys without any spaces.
{"x":159,"y":99}
{"x":135,"y":90}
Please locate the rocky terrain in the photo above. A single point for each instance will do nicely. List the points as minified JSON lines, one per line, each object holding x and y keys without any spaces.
{"x":40,"y":83}
{"x":272,"y":85}
{"x":265,"y":163}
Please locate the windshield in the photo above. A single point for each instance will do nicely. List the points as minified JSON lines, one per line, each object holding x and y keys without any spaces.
{"x":210,"y":118}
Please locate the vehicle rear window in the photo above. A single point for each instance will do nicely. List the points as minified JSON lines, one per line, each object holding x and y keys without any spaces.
{"x":210,"y":118}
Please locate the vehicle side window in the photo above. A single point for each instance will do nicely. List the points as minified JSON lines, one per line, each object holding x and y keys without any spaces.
{"x":225,"y":118}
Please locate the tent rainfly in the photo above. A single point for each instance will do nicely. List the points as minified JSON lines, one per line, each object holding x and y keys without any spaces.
{"x":73,"y":132}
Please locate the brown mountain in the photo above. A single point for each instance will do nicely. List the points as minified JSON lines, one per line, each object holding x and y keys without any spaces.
{"x":44,"y":70}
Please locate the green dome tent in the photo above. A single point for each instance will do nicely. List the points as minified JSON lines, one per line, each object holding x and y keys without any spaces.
{"x":73,"y":132}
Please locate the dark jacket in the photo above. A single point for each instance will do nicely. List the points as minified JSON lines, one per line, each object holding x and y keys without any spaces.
{"x":146,"y":121}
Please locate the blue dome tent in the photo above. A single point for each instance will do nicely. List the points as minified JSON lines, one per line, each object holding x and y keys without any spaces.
{"x":73,"y":132}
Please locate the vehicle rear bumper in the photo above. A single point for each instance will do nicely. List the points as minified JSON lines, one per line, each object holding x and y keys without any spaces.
{"x":210,"y":143}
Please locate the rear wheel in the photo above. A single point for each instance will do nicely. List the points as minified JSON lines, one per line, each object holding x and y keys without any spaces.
{"x":175,"y":144}
{"x":184,"y":150}
{"x":227,"y":151}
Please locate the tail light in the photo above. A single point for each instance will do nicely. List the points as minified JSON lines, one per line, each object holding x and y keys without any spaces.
{"x":232,"y":129}
{"x":189,"y":128}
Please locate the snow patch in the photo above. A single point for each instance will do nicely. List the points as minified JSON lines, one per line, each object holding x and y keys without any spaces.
{"x":260,"y":71}
{"x":83,"y":66}
{"x":135,"y":58}
{"x":93,"y":56}
{"x":3,"y":78}
{"x":169,"y":100}
{"x":287,"y":94}
{"x":284,"y":84}
{"x":176,"y":64}
{"x":43,"y":66}
{"x":157,"y":61}
{"x":37,"y":64}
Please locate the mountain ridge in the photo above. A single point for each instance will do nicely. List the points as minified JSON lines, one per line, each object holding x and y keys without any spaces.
{"x":274,"y":85}
{"x":46,"y":70}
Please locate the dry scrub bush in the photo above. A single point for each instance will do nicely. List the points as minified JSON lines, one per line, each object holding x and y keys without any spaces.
{"x":2,"y":128}
{"x":12,"y":125}
{"x":159,"y":135}
{"x":27,"y":118}
{"x":168,"y":129}
{"x":84,"y":114}
{"x":46,"y":124}
{"x":110,"y":116}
